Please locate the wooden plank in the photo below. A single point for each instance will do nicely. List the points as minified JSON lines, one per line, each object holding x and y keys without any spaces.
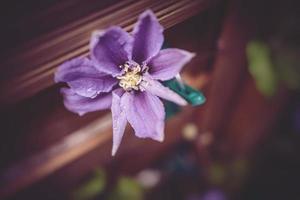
{"x":82,"y":141}
{"x":255,"y":116}
{"x":230,"y":68}
{"x":39,"y":60}
{"x":59,"y":154}
{"x":71,"y":147}
{"x":37,"y":123}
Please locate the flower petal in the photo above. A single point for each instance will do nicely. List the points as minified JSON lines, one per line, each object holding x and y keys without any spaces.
{"x":146,"y":115}
{"x":84,"y":78}
{"x":168,"y":62}
{"x":92,"y":87}
{"x":110,"y":49}
{"x":81,"y":105}
{"x":119,"y":104}
{"x":148,"y":37}
{"x":156,"y":88}
{"x":76,"y":68}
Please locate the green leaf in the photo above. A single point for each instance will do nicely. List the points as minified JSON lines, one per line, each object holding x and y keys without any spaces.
{"x":217,"y":174}
{"x":261,"y":67}
{"x":127,"y":188}
{"x":91,"y":188}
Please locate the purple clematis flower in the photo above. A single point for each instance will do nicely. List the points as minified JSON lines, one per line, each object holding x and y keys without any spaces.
{"x":124,"y":73}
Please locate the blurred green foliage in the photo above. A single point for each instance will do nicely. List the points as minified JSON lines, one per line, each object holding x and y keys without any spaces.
{"x":127,"y":189}
{"x":92,"y":188}
{"x":217,"y":174}
{"x":270,"y":65}
{"x":261,"y":67}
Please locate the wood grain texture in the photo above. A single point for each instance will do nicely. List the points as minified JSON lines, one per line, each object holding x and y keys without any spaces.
{"x":30,"y":69}
{"x":74,"y":142}
{"x":79,"y":143}
{"x":54,"y":138}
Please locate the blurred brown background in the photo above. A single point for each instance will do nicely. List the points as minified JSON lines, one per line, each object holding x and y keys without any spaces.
{"x":243,"y":143}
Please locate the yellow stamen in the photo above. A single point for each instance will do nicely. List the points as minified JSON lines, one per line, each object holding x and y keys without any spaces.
{"x":131,"y":78}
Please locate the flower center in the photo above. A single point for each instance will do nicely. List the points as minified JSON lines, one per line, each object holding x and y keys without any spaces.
{"x":131,"y":78}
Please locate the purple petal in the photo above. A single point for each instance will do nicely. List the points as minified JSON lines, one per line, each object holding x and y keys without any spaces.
{"x":214,"y":194}
{"x":92,"y":87}
{"x":148,"y":37}
{"x":119,"y":104}
{"x":84,"y":78}
{"x":156,"y":88}
{"x":146,"y":115}
{"x":168,"y":62}
{"x":77,"y":67}
{"x":110,"y":49}
{"x":82,"y":105}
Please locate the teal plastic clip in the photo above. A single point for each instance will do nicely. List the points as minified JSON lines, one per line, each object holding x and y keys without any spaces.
{"x":191,"y":95}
